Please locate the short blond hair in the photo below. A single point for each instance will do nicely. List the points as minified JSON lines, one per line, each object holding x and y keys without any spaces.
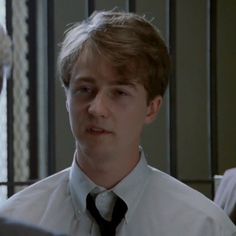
{"x":131,"y":43}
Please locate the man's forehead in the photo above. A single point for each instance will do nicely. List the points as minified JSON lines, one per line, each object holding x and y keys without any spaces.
{"x":91,"y":69}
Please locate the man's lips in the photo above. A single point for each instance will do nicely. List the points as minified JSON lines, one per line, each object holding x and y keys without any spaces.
{"x":97,"y":130}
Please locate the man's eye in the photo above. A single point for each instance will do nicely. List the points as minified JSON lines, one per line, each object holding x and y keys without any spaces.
{"x":120,"y":92}
{"x":85,"y":90}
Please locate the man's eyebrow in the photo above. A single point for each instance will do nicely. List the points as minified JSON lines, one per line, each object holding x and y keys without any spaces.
{"x":117,"y":82}
{"x":84,"y":79}
{"x":124,"y":83}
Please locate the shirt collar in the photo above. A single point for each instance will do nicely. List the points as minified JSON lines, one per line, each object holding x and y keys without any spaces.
{"x":130,"y":188}
{"x":80,"y":185}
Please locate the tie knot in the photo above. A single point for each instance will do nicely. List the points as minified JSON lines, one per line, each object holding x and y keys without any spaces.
{"x":105,"y":202}
{"x":107,"y":227}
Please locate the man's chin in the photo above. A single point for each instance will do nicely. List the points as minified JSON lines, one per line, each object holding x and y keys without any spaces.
{"x":98,"y":151}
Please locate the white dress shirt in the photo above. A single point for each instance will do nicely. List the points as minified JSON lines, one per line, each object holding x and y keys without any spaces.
{"x":157,"y":205}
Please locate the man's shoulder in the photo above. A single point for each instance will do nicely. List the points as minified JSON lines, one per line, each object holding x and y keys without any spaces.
{"x":52,"y":180}
{"x":44,"y":186}
{"x":165,"y":185}
{"x":177,"y":196}
{"x":36,"y":196}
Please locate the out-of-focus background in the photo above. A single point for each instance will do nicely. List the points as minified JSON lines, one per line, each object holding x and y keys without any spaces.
{"x":193,"y":139}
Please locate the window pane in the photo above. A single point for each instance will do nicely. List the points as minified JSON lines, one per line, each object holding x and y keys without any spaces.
{"x":2,"y":12}
{"x":3,"y":136}
{"x":3,"y":194}
{"x":3,"y":115}
{"x":20,"y":90}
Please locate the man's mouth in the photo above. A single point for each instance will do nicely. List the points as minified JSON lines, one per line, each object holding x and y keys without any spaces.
{"x":97,"y":131}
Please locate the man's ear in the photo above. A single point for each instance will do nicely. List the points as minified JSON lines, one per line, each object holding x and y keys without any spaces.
{"x":153,"y":109}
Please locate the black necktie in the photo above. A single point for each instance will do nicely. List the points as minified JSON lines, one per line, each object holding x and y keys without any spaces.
{"x":107,"y":228}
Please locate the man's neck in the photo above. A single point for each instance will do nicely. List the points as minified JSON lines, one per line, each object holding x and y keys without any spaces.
{"x":107,"y":172}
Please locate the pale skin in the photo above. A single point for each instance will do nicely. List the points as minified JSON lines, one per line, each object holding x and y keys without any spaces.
{"x":107,"y":117}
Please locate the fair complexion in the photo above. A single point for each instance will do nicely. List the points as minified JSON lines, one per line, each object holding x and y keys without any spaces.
{"x":107,"y":116}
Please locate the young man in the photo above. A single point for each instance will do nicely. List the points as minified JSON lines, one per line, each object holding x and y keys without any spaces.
{"x":10,"y":227}
{"x":114,"y":67}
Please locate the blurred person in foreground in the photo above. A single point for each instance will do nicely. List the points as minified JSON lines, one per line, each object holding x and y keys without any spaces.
{"x":226,"y":194}
{"x":10,"y":227}
{"x":114,"y":67}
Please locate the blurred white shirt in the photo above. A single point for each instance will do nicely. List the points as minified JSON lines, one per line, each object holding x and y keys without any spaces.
{"x":226,"y":194}
{"x":157,"y":205}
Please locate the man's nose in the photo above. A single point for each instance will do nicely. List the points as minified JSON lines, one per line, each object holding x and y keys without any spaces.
{"x":99,"y":105}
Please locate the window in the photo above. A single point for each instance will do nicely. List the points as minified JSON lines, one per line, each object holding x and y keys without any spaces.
{"x":3,"y":122}
{"x":26,"y":105}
